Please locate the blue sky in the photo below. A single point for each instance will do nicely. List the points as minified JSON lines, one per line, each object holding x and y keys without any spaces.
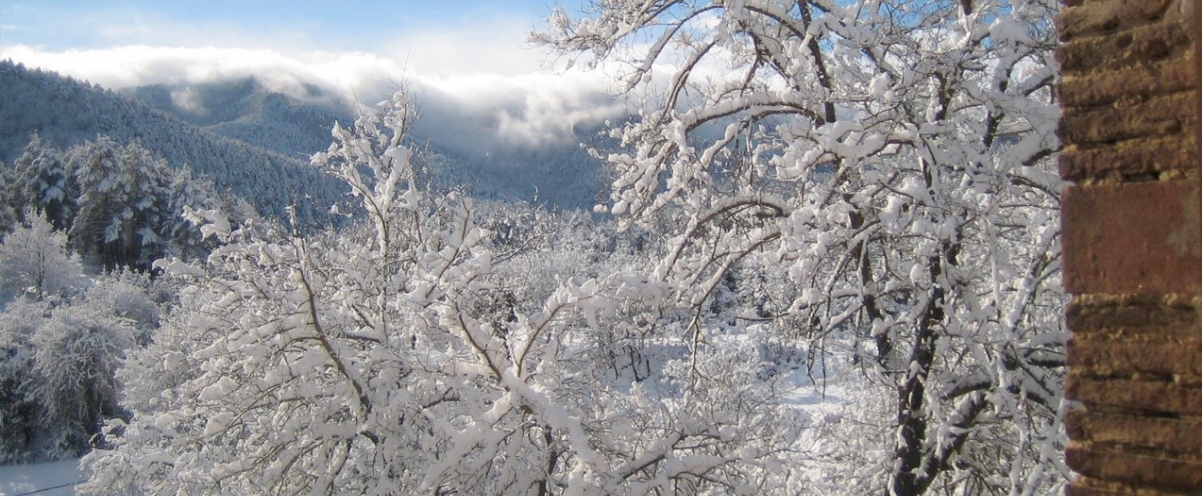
{"x":432,"y":37}
{"x":302,"y":24}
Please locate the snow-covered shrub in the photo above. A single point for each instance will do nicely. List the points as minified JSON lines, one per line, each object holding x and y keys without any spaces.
{"x":35,"y":262}
{"x":76,"y":355}
{"x":19,"y":411}
{"x":131,"y":296}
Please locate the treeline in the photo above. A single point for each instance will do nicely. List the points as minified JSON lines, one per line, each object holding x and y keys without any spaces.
{"x":119,"y":205}
{"x":81,"y":228}
{"x":68,"y":112}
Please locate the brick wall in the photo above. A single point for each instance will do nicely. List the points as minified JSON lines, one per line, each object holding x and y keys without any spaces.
{"x":1132,"y":245}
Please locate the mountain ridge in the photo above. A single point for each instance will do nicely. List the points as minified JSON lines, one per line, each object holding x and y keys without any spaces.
{"x":255,"y":142}
{"x":67,"y":112}
{"x":245,"y":110}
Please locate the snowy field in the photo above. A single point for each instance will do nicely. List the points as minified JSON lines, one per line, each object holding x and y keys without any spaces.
{"x":42,"y":479}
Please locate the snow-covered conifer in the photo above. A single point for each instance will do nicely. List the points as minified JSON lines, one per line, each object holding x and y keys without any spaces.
{"x":41,"y":178}
{"x":122,"y":204}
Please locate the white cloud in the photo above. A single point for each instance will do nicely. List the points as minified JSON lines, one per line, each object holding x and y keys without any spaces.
{"x":129,"y":66}
{"x":490,"y":111}
{"x":495,"y":47}
{"x":498,"y":91}
{"x":187,"y":99}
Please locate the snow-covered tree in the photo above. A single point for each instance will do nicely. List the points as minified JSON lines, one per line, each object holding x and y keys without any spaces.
{"x":131,"y":296}
{"x":293,"y":363}
{"x":892,"y":160}
{"x":35,"y":261}
{"x":19,"y":410}
{"x":8,"y":216}
{"x":62,"y":337}
{"x":122,"y":204}
{"x":408,"y":355}
{"x":76,"y":355}
{"x":42,"y":179}
{"x":187,"y":192}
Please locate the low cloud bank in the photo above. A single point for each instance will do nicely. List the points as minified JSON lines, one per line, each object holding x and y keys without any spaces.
{"x":466,"y":111}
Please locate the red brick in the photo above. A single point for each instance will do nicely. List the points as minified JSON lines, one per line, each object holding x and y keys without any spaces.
{"x":1130,"y":158}
{"x":1102,"y":87}
{"x":1132,"y":238}
{"x":1162,"y":434}
{"x":1091,"y":487}
{"x":1136,"y":470}
{"x":1154,"y":315}
{"x":1136,"y":396}
{"x":1157,"y":117}
{"x":1077,"y":489}
{"x":1107,"y":16}
{"x":1136,"y":46}
{"x":1099,"y":357}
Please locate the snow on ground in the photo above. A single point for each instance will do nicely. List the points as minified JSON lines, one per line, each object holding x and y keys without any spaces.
{"x":41,"y":479}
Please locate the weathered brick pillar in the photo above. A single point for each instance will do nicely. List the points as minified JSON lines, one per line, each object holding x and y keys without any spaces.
{"x":1132,"y":245}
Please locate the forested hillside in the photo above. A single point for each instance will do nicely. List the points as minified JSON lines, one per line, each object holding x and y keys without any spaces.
{"x":66,"y":112}
{"x":556,"y":173}
{"x":246,"y":111}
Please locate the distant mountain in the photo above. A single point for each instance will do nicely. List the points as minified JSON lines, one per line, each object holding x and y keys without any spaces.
{"x":67,"y":112}
{"x":247,"y":111}
{"x":559,"y":174}
{"x":255,"y":142}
